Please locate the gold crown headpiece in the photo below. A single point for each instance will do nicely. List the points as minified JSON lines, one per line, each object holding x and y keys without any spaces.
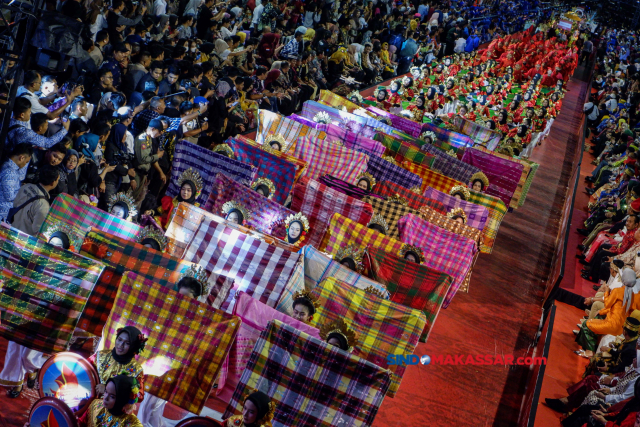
{"x":193,"y":176}
{"x":457,"y":212}
{"x":274,"y":138}
{"x":396,"y":198}
{"x":153,"y":233}
{"x":406,"y":248}
{"x":308,"y":296}
{"x":355,"y":94}
{"x":225,"y":150}
{"x":479,"y":176}
{"x":373,"y":290}
{"x":416,"y":190}
{"x":200,"y":274}
{"x":379,"y":220}
{"x":452,"y":153}
{"x":322,"y":117}
{"x":127,"y":200}
{"x":390,"y":160}
{"x":459,"y":189}
{"x":75,"y":236}
{"x":353,"y":253}
{"x":339,"y":326}
{"x":429,"y":134}
{"x":233,"y":205}
{"x":267,"y":183}
{"x":297,"y":217}
{"x":368,"y":177}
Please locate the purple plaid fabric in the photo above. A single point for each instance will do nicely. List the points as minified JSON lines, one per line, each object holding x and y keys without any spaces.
{"x":477,"y":216}
{"x":274,"y":124}
{"x":343,"y":186}
{"x":326,"y":158}
{"x":401,"y":123}
{"x":450,"y":166}
{"x":450,"y":137}
{"x":367,"y":126}
{"x":383,"y":170}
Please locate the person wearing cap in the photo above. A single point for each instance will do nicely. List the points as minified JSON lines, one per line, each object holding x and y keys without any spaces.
{"x":114,"y":64}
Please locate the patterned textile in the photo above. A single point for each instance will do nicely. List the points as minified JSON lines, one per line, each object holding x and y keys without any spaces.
{"x":480,"y":134}
{"x":69,"y":210}
{"x":497,"y":210}
{"x":265,"y":215}
{"x":311,"y":382}
{"x":319,"y":202}
{"x":449,"y":165}
{"x":527,"y":184}
{"x":447,"y":136}
{"x":343,"y":186}
{"x":383,"y":327}
{"x":402,"y":151}
{"x":477,"y":216}
{"x":504,"y":175}
{"x":415,"y":201}
{"x":337,"y":101}
{"x":75,"y":235}
{"x":444,"y":251}
{"x":390,"y":211}
{"x":324,"y":157}
{"x":431,"y":178}
{"x":410,"y":284}
{"x":367,"y":126}
{"x":383,"y":170}
{"x":402,"y":123}
{"x":300,"y":165}
{"x":255,"y":267}
{"x":44,"y":291}
{"x":187,"y":340}
{"x":120,"y":255}
{"x":343,"y":232}
{"x":448,"y":224}
{"x":318,"y":266}
{"x":274,"y":124}
{"x":208,"y":164}
{"x":279,"y":171}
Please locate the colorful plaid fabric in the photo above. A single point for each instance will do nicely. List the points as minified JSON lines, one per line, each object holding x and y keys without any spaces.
{"x":327,"y":158}
{"x":444,"y":251}
{"x":318,"y":266}
{"x":402,"y":151}
{"x":527,"y":184}
{"x":431,"y":178}
{"x":274,"y":124}
{"x":279,"y":171}
{"x":497,"y":210}
{"x":69,"y":210}
{"x":187,"y":340}
{"x":410,"y":284}
{"x":337,"y":101}
{"x":343,"y":232}
{"x":448,"y":224}
{"x":257,"y":268}
{"x":415,"y":201}
{"x":352,"y":140}
{"x":353,"y":123}
{"x":208,"y":164}
{"x":383,"y":170}
{"x":504,"y":175}
{"x":477,"y":216}
{"x":120,"y":255}
{"x":265,"y":215}
{"x":312,"y":383}
{"x":300,"y":165}
{"x":449,"y":165}
{"x":343,"y":186}
{"x":383,"y":327}
{"x":480,"y":134}
{"x":319,"y":202}
{"x":390,"y":211}
{"x":447,"y":136}
{"x":44,"y":291}
{"x":402,"y":123}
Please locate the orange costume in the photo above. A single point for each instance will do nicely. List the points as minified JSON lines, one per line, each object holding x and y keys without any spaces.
{"x":615,"y":313}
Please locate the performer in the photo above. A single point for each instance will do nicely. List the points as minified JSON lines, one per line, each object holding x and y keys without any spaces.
{"x":338,"y":334}
{"x":479,"y":182}
{"x":304,"y":306}
{"x":297,"y":227}
{"x":191,"y":184}
{"x":116,"y":407}
{"x":394,"y":98}
{"x":379,"y":224}
{"x":123,"y":206}
{"x":458,"y":215}
{"x":236,"y":213}
{"x":418,"y":109}
{"x":264,"y":186}
{"x":258,"y":411}
{"x":224,"y":150}
{"x":351,"y":257}
{"x":366,"y":181}
{"x":460,"y":192}
{"x":275,"y":143}
{"x":412,"y":253}
{"x":153,"y":238}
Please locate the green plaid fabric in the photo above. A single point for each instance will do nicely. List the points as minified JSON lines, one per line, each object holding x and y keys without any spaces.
{"x":391,"y":212}
{"x":497,"y":209}
{"x":403,"y":151}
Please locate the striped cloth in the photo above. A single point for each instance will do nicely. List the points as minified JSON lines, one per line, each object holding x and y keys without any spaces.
{"x":480,"y":134}
{"x":477,"y":216}
{"x":410,"y":284}
{"x":343,"y":186}
{"x":497,"y":210}
{"x":390,"y":211}
{"x":382,"y":326}
{"x":274,"y":124}
{"x":353,"y":123}
{"x":187,"y":340}
{"x":449,"y":137}
{"x":402,"y":151}
{"x":403,"y":124}
{"x":44,"y":291}
{"x":415,"y":201}
{"x":319,"y":202}
{"x":120,"y":255}
{"x":72,"y":211}
{"x":253,"y":266}
{"x":266,"y":216}
{"x":504,"y":175}
{"x":527,"y":184}
{"x":312,"y":383}
{"x":444,"y":251}
{"x":383,"y":170}
{"x":338,"y":101}
{"x":431,"y":178}
{"x":343,"y":232}
{"x":279,"y":171}
{"x":327,"y":158}
{"x":300,"y":165}
{"x":208,"y":164}
{"x":449,"y":165}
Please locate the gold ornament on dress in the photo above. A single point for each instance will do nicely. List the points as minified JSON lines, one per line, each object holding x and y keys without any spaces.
{"x":193,"y":176}
{"x":416,"y":190}
{"x":396,"y":198}
{"x":75,"y":236}
{"x":225,"y":150}
{"x":154,"y":234}
{"x":373,"y":290}
{"x":460,"y":189}
{"x":378,"y":219}
{"x":127,"y":200}
{"x":390,"y":160}
{"x":367,"y":177}
{"x":339,"y":326}
{"x":274,"y":138}
{"x":481,"y":177}
{"x":406,"y":248}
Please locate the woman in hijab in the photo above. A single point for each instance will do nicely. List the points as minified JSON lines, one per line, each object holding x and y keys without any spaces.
{"x":190,"y":183}
{"x":116,"y":408}
{"x":115,"y":150}
{"x":257,"y":411}
{"x":68,"y":174}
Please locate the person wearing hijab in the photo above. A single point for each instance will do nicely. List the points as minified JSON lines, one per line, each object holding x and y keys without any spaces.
{"x":115,"y":408}
{"x":258,"y":411}
{"x":115,"y":151}
{"x":190,"y":183}
{"x":68,"y":183}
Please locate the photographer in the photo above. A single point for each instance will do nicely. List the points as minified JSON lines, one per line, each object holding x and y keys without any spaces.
{"x":116,"y":155}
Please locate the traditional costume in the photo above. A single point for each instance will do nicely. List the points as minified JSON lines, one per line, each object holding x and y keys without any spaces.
{"x":265,"y":409}
{"x":189,"y":178}
{"x":123,"y":206}
{"x":127,"y":391}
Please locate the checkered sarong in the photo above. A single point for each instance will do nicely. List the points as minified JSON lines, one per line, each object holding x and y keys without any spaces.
{"x":504,"y":175}
{"x":255,"y":267}
{"x":343,"y":186}
{"x":444,"y":251}
{"x":355,"y":141}
{"x":265,"y":215}
{"x":477,"y":216}
{"x":410,"y":284}
{"x":44,"y":291}
{"x":447,"y":223}
{"x":450,"y":166}
{"x":337,"y":101}
{"x":69,"y":210}
{"x":343,"y":232}
{"x":383,"y":170}
{"x":447,"y":136}
{"x":75,"y":235}
{"x":300,"y":165}
{"x":416,"y":201}
{"x":390,"y":211}
{"x":327,"y":158}
{"x":497,"y":210}
{"x":279,"y":171}
{"x":402,"y":151}
{"x":208,"y":164}
{"x":480,"y":134}
{"x":187,"y":340}
{"x":319,"y":202}
{"x":120,"y":255}
{"x":431,"y":178}
{"x":382,"y":326}
{"x":367,"y":126}
{"x":312,"y":383}
{"x":274,"y":124}
{"x":401,"y":123}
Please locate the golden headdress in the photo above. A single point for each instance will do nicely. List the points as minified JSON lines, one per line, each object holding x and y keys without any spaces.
{"x":299,"y":217}
{"x":482,"y":178}
{"x":378,"y":219}
{"x":233,"y":205}
{"x":225,"y":150}
{"x":406,"y":248}
{"x":462,"y":190}
{"x":153,"y":233}
{"x":632,"y":324}
{"x":429,"y":134}
{"x":396,"y":198}
{"x":274,"y":138}
{"x":355,"y":94}
{"x":201,"y":276}
{"x":390,"y":160}
{"x":452,"y":153}
{"x":368,"y":177}
{"x":416,"y":190}
{"x":191,"y":175}
{"x":373,"y":290}
{"x":267,"y":183}
{"x":308,"y":296}
{"x":125,"y":199}
{"x":457,"y":212}
{"x":322,"y":117}
{"x":351,"y":252}
{"x":75,"y":236}
{"x":338,"y":326}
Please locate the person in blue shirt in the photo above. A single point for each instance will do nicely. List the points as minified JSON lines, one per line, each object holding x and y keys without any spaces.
{"x":12,"y":172}
{"x":120,"y":52}
{"x":25,"y":128}
{"x":472,"y":42}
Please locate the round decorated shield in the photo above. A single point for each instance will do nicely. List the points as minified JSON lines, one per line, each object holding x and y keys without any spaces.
{"x":52,"y":412}
{"x":198,"y":422}
{"x":70,"y":378}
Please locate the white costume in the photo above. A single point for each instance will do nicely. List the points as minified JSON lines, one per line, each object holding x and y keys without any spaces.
{"x":18,"y":362}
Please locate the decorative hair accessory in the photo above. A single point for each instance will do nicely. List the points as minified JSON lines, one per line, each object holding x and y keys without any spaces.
{"x":75,"y":236}
{"x":457,"y":212}
{"x":308,"y":296}
{"x":278,"y":138}
{"x":407,"y":114}
{"x":481,"y":177}
{"x":463,"y":191}
{"x":135,"y":388}
{"x":153,"y":233}
{"x":406,"y":248}
{"x":390,"y":160}
{"x":452,"y":153}
{"x":368,"y":177}
{"x":378,"y":219}
{"x":193,"y":176}
{"x":125,"y":199}
{"x":373,"y":290}
{"x":337,"y":142}
{"x":416,"y":190}
{"x":355,"y":94}
{"x":396,"y":198}
{"x":201,"y":276}
{"x":266,"y":420}
{"x":233,"y":205}
{"x":429,"y":134}
{"x":300,"y":218}
{"x":141,"y":338}
{"x":322,"y":117}
{"x":339,"y":326}
{"x":351,"y":252}
{"x":266,"y":182}
{"x":225,"y":150}
{"x":344,"y":108}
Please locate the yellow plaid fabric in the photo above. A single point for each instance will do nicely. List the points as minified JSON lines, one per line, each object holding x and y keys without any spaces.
{"x":431,"y":178}
{"x":332,"y":100}
{"x":274,"y":124}
{"x":343,"y":232}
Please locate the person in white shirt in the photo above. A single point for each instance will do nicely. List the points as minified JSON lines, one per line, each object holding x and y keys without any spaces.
{"x":224,"y":30}
{"x":159,"y":7}
{"x":461,"y":43}
{"x":32,"y":84}
{"x":257,"y":14}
